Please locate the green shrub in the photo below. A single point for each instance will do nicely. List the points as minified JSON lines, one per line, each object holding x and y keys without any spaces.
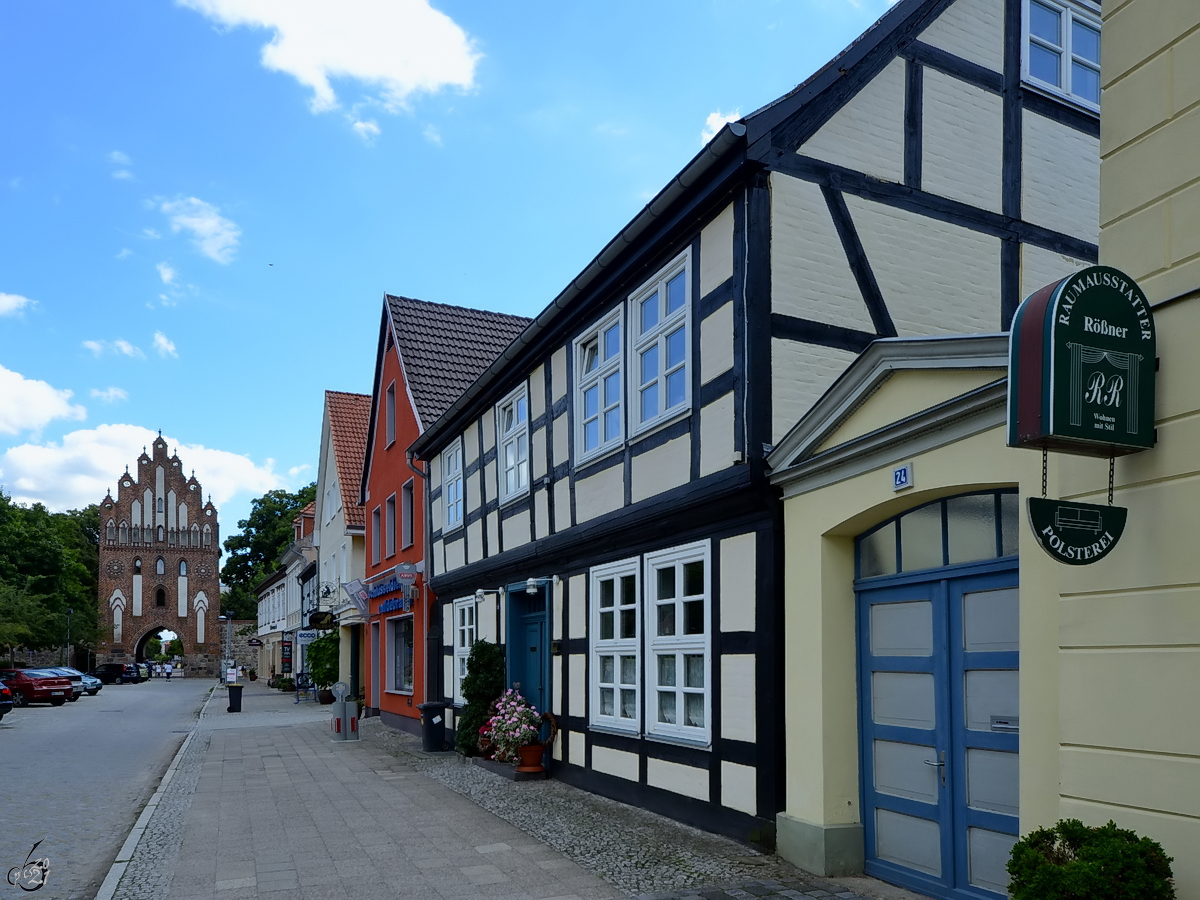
{"x":321,"y":658}
{"x":1072,"y":861}
{"x":482,"y":685}
{"x":285,"y":684}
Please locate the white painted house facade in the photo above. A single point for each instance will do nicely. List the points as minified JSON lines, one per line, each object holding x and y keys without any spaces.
{"x":598,"y":500}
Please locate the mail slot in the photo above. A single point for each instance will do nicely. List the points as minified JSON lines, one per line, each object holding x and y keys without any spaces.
{"x":1010,"y":724}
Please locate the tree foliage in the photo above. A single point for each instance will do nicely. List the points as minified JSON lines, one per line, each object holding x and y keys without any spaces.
{"x":482,"y":685}
{"x":253,"y":553}
{"x":49,"y":563}
{"x":321,"y":660}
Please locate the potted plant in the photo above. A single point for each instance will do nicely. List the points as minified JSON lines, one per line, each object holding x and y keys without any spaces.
{"x":322,"y":661}
{"x":516,"y":731}
{"x":286,"y":684}
{"x":252,"y":674}
{"x":1072,"y":861}
{"x":482,"y":685}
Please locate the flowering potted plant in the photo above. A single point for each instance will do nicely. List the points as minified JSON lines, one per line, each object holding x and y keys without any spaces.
{"x":515,"y":724}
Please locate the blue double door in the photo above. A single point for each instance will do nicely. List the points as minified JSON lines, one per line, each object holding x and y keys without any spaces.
{"x":939,"y":725}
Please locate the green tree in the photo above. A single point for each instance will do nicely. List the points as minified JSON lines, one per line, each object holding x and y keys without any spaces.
{"x":254,"y":551}
{"x":482,"y":685}
{"x":154,"y":648}
{"x":321,"y":660}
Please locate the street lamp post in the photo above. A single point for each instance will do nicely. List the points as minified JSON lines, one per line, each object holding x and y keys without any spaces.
{"x":68,"y":653}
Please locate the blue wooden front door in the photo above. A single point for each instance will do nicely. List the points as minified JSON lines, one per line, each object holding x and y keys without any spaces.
{"x":938,"y":712}
{"x":528,"y":659}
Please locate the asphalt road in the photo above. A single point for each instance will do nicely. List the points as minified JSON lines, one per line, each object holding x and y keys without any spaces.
{"x":77,"y":776}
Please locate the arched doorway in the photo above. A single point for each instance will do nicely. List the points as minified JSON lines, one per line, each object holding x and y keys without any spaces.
{"x":157,"y":643}
{"x":937,"y":612}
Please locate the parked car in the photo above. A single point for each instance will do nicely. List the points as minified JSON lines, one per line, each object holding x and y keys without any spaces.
{"x":6,"y":700}
{"x":116,"y":673}
{"x":89,"y":684}
{"x":36,"y":686}
{"x":76,"y":679}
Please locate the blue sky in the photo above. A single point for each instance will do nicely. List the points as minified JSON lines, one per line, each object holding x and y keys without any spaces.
{"x":203,"y":202}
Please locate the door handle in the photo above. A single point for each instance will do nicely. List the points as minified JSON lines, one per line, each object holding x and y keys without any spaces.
{"x":940,"y":764}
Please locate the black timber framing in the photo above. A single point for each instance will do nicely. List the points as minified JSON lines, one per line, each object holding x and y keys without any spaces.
{"x":856,"y":257}
{"x":914,"y":90}
{"x":792,"y":328}
{"x":757,"y":317}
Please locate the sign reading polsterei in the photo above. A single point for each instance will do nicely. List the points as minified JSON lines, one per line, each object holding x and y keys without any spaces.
{"x":1081,"y":367}
{"x":1076,"y":533}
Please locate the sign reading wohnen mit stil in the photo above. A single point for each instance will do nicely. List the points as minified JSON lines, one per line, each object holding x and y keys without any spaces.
{"x":1081,"y":367}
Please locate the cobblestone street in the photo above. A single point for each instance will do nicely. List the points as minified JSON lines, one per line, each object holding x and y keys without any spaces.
{"x":264,"y":804}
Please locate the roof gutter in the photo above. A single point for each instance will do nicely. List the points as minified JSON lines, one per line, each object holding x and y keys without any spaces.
{"x":713,"y":152}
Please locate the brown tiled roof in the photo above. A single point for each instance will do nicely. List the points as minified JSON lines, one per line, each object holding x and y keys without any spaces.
{"x":445,"y":348}
{"x":349,"y":419}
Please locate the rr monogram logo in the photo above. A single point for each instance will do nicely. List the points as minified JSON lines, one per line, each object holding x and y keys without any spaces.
{"x":1104,"y":391}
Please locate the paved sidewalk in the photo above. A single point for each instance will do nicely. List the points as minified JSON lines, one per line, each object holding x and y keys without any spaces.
{"x":263,"y":804}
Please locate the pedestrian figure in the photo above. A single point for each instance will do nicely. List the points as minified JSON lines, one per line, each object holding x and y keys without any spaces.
{"x":167,"y":669}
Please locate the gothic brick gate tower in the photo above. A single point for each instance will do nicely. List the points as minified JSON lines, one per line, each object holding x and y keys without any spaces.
{"x":159,"y":548}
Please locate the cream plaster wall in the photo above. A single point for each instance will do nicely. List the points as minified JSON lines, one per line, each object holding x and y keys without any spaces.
{"x":470,"y":444}
{"x":485,"y":620}
{"x":599,"y":493}
{"x":738,"y":692}
{"x":867,"y":133}
{"x":455,"y":551}
{"x":541,"y":512}
{"x":576,"y":663}
{"x":537,"y":393}
{"x":1060,"y":171}
{"x":558,"y":374}
{"x":716,"y":251}
{"x":739,"y":572}
{"x":516,"y":529}
{"x":1041,"y":267}
{"x":739,"y":787}
{"x":716,"y":343}
{"x":801,"y":373}
{"x":615,"y":762}
{"x":810,"y":276}
{"x":578,"y":606}
{"x":537,"y":455}
{"x":578,"y":746}
{"x":660,"y":469}
{"x":716,"y":435}
{"x":475,"y":541}
{"x":679,"y":779}
{"x":972,"y":30}
{"x":962,"y":140}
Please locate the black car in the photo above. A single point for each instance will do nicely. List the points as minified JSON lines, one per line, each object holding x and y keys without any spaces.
{"x":6,"y":700}
{"x":117,"y":673}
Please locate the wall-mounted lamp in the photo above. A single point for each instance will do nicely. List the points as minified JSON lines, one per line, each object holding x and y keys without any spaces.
{"x":531,"y":586}
{"x":482,"y":592}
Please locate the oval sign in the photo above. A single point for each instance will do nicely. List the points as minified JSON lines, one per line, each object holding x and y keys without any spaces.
{"x":1077,"y":534}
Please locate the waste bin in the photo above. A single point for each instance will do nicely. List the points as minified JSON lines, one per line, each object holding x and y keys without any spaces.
{"x":344,"y":723}
{"x":235,"y":698}
{"x":433,"y":726}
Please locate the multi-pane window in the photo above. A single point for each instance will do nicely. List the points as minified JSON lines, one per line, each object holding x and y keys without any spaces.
{"x":661,"y":352}
{"x":600,"y":392}
{"x":390,"y":526}
{"x":677,"y":617}
{"x":452,"y":485}
{"x":376,"y":527}
{"x":512,"y":429}
{"x":406,"y":514}
{"x":616,"y":654}
{"x":1063,"y":49}
{"x":464,"y":638}
{"x":402,"y":654}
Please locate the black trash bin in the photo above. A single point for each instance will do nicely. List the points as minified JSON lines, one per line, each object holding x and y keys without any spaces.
{"x":433,"y":726}
{"x":235,"y":698}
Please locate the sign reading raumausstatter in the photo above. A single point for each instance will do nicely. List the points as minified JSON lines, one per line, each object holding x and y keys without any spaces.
{"x":1081,"y":367}
{"x":1076,"y":533}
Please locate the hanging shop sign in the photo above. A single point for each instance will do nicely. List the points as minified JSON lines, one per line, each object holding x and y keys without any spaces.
{"x":322,"y":620}
{"x":1077,"y":534}
{"x":304,"y":637}
{"x":1082,"y":360}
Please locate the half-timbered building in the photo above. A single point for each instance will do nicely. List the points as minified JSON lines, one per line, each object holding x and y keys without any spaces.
{"x":599,"y":499}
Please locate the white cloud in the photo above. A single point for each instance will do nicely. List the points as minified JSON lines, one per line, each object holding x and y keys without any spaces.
{"x":150,"y":234}
{"x":164,"y":345}
{"x":119,"y":158}
{"x":432,"y":135}
{"x":14,"y":304}
{"x":714,"y":123}
{"x":297,"y":471}
{"x":166,"y":273}
{"x":119,"y":346}
{"x":367,"y":130}
{"x":122,"y":175}
{"x":86,"y":464}
{"x":28,"y":405}
{"x":110,"y":395}
{"x":124,"y":253}
{"x":398,"y":48}
{"x":214,"y":235}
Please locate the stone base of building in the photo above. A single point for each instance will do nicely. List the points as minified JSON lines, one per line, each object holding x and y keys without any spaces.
{"x":829,"y":850}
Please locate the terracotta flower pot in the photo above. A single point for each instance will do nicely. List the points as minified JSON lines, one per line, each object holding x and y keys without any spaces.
{"x":325,"y":696}
{"x":531,"y":758}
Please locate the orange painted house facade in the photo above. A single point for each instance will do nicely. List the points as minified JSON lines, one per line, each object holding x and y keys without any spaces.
{"x":427,"y":354}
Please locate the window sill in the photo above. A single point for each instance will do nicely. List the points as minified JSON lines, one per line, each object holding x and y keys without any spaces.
{"x":599,"y":453}
{"x":522,"y":494}
{"x":398,"y":693}
{"x":702,"y":743}
{"x":1053,"y":93}
{"x":659,"y":424}
{"x":606,"y":728}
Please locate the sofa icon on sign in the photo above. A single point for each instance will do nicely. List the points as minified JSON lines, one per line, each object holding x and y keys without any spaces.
{"x":1083,"y":519}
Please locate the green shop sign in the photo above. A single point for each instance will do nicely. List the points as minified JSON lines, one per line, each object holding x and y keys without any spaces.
{"x":1082,"y":360}
{"x":1076,"y":533}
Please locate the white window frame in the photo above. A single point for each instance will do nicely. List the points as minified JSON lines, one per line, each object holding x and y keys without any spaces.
{"x":1086,"y":13}
{"x":395,"y":671}
{"x":389,"y":415}
{"x":656,"y":338}
{"x":452,"y":486}
{"x":517,"y":437}
{"x":466,"y":633}
{"x":597,"y":380}
{"x":389,"y":529}
{"x":617,"y":647}
{"x":678,"y":645}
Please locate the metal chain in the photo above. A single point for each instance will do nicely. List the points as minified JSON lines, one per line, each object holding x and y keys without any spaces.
{"x":1044,"y":455}
{"x":1111,"y":469}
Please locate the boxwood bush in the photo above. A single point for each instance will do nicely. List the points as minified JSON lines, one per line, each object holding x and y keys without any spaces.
{"x":482,"y":684}
{"x":1073,"y":861}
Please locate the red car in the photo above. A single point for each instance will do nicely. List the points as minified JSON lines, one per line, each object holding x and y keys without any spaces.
{"x":35,"y":686}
